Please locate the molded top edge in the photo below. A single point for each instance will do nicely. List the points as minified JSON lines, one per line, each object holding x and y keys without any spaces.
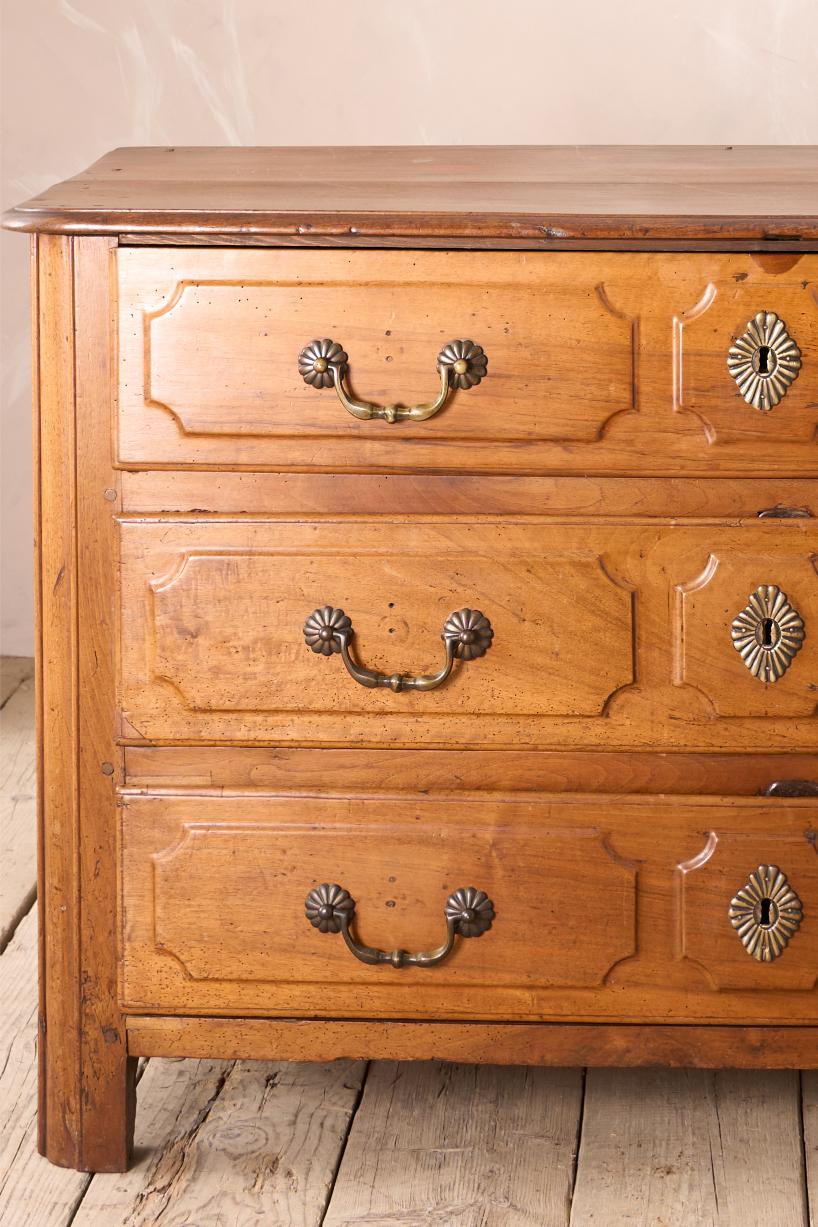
{"x":631,"y":193}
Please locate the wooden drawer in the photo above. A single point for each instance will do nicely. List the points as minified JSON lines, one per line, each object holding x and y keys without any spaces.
{"x":604,"y":634}
{"x":596,"y":362}
{"x":604,"y":907}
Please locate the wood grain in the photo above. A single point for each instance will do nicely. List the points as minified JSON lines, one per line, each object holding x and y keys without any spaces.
{"x":175,"y":1099}
{"x":551,"y":329}
{"x":671,"y":1148}
{"x":563,"y":192}
{"x":454,"y":1144}
{"x":397,"y":242}
{"x":222,"y":492}
{"x":59,"y":887}
{"x":716,"y":873}
{"x":547,"y":1044}
{"x":39,"y":656}
{"x":597,"y":363}
{"x":31,"y":1189}
{"x":809,"y":1111}
{"x":87,"y":1078}
{"x":269,"y":578}
{"x":276,"y":769}
{"x":273,"y":852}
{"x":231,"y":1144}
{"x":631,"y":624}
{"x":752,"y":1187}
{"x":108,"y":1074}
{"x":214,"y":890}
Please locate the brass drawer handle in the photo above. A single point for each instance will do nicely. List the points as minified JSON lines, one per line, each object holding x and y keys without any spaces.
{"x":331,"y":909}
{"x":460,"y":364}
{"x":467,"y":634}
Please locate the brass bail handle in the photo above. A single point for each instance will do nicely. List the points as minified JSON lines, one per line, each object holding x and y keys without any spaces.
{"x":331,"y":909}
{"x":467,"y":634}
{"x":460,"y":364}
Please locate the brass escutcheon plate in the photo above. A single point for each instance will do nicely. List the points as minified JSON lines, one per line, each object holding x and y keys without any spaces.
{"x":764,"y":361}
{"x":765,"y":913}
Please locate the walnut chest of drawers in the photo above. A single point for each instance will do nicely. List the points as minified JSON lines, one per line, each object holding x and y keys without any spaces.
{"x":428,"y":611}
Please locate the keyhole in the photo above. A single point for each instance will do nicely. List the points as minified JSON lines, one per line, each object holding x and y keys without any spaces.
{"x":768,"y":634}
{"x":764,"y":361}
{"x":766,"y":913}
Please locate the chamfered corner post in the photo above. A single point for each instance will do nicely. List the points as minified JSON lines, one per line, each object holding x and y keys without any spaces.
{"x":86,"y":1079}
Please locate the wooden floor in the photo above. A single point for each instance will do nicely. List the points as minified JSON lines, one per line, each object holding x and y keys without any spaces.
{"x":231,"y":1143}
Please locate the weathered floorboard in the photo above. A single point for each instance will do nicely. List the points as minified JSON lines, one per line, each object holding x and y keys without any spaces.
{"x":13,"y":671}
{"x":32,"y":1191}
{"x":173,"y":1102}
{"x":760,"y":1178}
{"x":18,"y":819}
{"x":690,"y":1148}
{"x":460,"y":1146}
{"x":809,"y":1109}
{"x":221,"y":1144}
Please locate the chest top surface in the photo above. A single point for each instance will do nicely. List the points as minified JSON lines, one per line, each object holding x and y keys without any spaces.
{"x":347,"y":195}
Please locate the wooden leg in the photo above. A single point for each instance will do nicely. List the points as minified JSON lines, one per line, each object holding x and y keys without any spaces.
{"x":86,"y":1077}
{"x":87,"y":1123}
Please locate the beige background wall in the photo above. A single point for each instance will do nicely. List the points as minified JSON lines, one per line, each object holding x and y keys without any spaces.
{"x":81,"y":76}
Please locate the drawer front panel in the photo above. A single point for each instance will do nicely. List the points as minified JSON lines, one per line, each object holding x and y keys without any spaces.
{"x":603,"y":635}
{"x":608,"y":907}
{"x":701,"y":608}
{"x":595,"y":362}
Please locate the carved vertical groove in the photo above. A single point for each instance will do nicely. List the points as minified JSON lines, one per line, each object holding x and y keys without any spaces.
{"x":679,"y":323}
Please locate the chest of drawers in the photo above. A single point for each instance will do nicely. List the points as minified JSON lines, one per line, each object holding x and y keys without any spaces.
{"x":428,"y":612}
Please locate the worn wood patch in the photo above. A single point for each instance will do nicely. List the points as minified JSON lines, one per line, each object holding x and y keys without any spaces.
{"x":460,"y":1146}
